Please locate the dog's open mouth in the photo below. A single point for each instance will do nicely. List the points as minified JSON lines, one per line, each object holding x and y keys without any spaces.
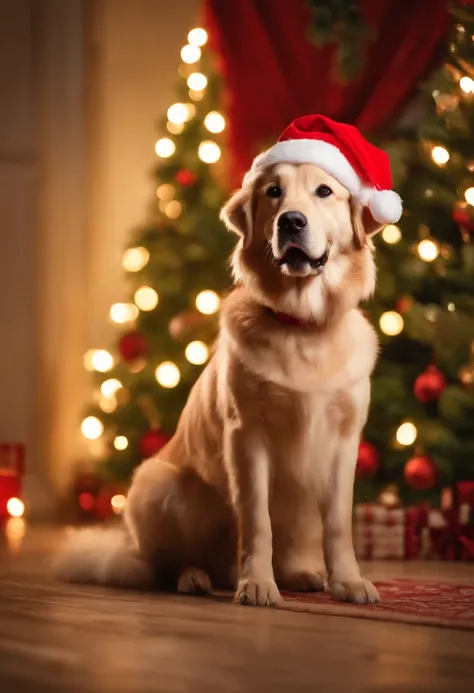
{"x":296,"y":259}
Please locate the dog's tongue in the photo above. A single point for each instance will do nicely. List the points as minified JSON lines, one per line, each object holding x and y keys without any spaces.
{"x":295,"y":257}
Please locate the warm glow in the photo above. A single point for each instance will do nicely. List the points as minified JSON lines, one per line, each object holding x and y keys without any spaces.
{"x":165,"y":147}
{"x":197,"y":81}
{"x":146,"y":298}
{"x":197,"y":353}
{"x":120,"y":443}
{"x":391,"y":323}
{"x":391,"y":234}
{"x":135,"y":259}
{"x":118,"y":503}
{"x":173,"y":209}
{"x":165,"y":192}
{"x":190,"y":54}
{"x":197,"y":37}
{"x":110,"y":387}
{"x":175,"y":128}
{"x":167,"y":374}
{"x":123,"y":312}
{"x":209,"y":152}
{"x":101,"y":360}
{"x":428,"y":250}
{"x":467,"y":85}
{"x":214,"y":122}
{"x":92,"y":428}
{"x":451,"y":307}
{"x":469,"y":195}
{"x":108,"y":404}
{"x":15,"y":507}
{"x":406,"y":433}
{"x":440,"y":155}
{"x":180,"y":113}
{"x":208,"y":302}
{"x":196,"y":95}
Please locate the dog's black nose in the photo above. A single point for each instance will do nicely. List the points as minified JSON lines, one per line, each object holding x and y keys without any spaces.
{"x":292,"y":222}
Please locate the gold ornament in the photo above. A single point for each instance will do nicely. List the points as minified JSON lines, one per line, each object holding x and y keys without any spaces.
{"x":390,"y":497}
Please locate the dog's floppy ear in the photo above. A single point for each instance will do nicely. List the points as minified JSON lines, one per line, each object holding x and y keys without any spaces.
{"x":237,"y":214}
{"x":363,"y":224}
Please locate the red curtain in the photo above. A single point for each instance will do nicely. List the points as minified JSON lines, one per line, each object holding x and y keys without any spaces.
{"x":274,"y":74}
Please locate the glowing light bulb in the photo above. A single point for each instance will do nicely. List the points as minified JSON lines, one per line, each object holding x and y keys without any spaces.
{"x":177,"y":113}
{"x":197,"y":81}
{"x":174,"y":128}
{"x":165,"y":192}
{"x":467,"y":85}
{"x":135,"y":259}
{"x":208,"y":302}
{"x":209,"y":152}
{"x":214,"y":122}
{"x":92,"y":428}
{"x":391,"y":323}
{"x":190,"y":54}
{"x":469,"y":195}
{"x":197,"y":37}
{"x":101,"y":360}
{"x":173,"y":209}
{"x":121,"y":313}
{"x":428,"y":250}
{"x":391,"y":234}
{"x":15,"y":507}
{"x":406,"y":433}
{"x":451,"y":307}
{"x":110,"y":387}
{"x":108,"y":404}
{"x":165,"y":147}
{"x":167,"y":374}
{"x":197,"y":353}
{"x":120,"y":443}
{"x":118,"y":503}
{"x":146,"y":298}
{"x":196,"y":95}
{"x":440,"y":155}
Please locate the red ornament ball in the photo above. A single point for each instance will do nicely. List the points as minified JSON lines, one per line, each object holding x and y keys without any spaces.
{"x":133,"y":345}
{"x":461,"y":215}
{"x":185,"y":177}
{"x":404,"y":304}
{"x":430,"y":385}
{"x":420,"y":473}
{"x":367,"y":459}
{"x":152,"y":442}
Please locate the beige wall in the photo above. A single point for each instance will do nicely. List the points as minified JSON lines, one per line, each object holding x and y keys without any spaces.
{"x":82,"y":83}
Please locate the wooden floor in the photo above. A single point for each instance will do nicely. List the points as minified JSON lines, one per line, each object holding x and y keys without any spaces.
{"x":59,"y":638}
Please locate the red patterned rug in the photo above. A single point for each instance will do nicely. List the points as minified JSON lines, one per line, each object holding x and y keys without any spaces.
{"x":422,"y":602}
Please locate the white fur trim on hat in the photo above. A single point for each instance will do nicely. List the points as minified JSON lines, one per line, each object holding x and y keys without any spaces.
{"x":385,"y":205}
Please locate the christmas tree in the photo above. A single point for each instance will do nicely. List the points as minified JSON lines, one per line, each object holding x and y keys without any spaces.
{"x":176,"y":267}
{"x":420,"y":434}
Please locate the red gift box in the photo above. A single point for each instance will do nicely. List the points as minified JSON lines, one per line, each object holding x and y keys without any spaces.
{"x":387,"y":533}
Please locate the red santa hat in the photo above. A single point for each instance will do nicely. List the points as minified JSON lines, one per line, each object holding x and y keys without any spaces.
{"x":340,"y":150}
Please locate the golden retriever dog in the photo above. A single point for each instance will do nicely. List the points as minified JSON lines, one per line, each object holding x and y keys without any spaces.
{"x":255,"y":489}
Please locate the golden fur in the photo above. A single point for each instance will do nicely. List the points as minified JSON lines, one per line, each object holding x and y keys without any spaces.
{"x":255,"y":488}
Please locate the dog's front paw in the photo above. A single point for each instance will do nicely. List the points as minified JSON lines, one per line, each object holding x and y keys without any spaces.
{"x":359,"y":591}
{"x":257,"y":593}
{"x":303,"y":582}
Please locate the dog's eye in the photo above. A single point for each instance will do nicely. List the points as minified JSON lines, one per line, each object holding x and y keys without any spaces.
{"x":323,"y":191}
{"x":274,"y":191}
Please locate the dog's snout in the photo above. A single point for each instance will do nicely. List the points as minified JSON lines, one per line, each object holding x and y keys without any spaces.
{"x":292,"y":222}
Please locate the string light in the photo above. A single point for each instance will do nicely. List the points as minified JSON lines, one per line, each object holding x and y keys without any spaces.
{"x":391,"y":323}
{"x":197,"y":81}
{"x":406,"y":433}
{"x":209,"y":152}
{"x":98,"y":360}
{"x":165,"y":147}
{"x":197,"y":36}
{"x":467,"y":85}
{"x":110,"y":387}
{"x":108,"y":404}
{"x":146,"y":298}
{"x":174,"y":128}
{"x":391,"y":234}
{"x":120,"y":443}
{"x":196,"y":95}
{"x":190,"y":54}
{"x":173,"y":209}
{"x":167,"y":374}
{"x":180,"y":113}
{"x":118,"y":503}
{"x":440,"y":155}
{"x":214,"y":122}
{"x":135,"y":259}
{"x":197,"y":353}
{"x":15,"y":507}
{"x":208,"y":302}
{"x":469,"y":195}
{"x":451,"y":307}
{"x":92,"y":428}
{"x":428,"y":250}
{"x":165,"y":192}
{"x":121,"y":313}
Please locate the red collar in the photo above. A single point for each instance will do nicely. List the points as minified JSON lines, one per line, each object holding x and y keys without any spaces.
{"x":287,"y":319}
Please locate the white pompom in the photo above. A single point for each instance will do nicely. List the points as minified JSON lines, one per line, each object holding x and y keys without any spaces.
{"x":385,"y":206}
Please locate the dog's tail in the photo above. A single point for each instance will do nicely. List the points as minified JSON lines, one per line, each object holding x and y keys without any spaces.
{"x":103,"y":557}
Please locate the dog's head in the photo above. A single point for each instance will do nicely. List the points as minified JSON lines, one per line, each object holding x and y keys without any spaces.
{"x":305,"y":243}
